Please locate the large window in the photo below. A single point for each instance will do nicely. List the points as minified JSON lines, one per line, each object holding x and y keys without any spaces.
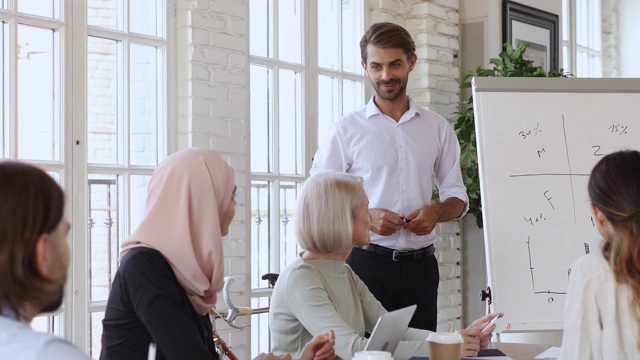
{"x":582,"y":37}
{"x":304,"y":74}
{"x":88,"y":105}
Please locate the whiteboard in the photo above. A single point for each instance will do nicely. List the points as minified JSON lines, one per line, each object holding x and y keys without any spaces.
{"x":537,"y":141}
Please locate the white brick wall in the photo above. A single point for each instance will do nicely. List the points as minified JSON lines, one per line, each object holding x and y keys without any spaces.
{"x":213,"y":82}
{"x":212,"y":46}
{"x":610,"y":52}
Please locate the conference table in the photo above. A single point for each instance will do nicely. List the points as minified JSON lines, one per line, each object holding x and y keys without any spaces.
{"x":515,"y":351}
{"x":520,"y":351}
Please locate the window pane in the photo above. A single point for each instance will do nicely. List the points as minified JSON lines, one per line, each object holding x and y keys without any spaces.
{"x":596,"y":26}
{"x":138,"y":198}
{"x":261,"y":118}
{"x":351,"y":35}
{"x":565,"y":20}
{"x":582,"y":23}
{"x":144,"y":104}
{"x":47,"y":324}
{"x":260,"y":328}
{"x":39,"y":126}
{"x":96,"y":334}
{"x":150,"y":11}
{"x":49,"y":8}
{"x":582,"y":64}
{"x":566,"y":59}
{"x":103,"y":234}
{"x":596,"y":66}
{"x":261,"y":28}
{"x":261,"y":252}
{"x":290,"y":122}
{"x":351,"y":96}
{"x":328,"y":34}
{"x":4,"y":91}
{"x":106,"y":13}
{"x":328,"y":104}
{"x":288,"y":243}
{"x":103,"y":100}
{"x":289,"y":31}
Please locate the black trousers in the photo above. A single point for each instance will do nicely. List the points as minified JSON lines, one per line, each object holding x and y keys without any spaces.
{"x":399,"y":284}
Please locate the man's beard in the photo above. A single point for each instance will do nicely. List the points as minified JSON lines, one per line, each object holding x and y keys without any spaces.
{"x":400,"y":90}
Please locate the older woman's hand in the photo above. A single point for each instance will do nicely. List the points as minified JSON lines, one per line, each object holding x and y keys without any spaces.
{"x":271,"y":356}
{"x":473,"y":338}
{"x":320,"y":347}
{"x":470,"y":342}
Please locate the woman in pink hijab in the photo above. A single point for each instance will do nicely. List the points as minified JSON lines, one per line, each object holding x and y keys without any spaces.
{"x":172,"y":266}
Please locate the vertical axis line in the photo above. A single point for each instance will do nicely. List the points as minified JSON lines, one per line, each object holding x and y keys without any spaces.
{"x":566,"y":147}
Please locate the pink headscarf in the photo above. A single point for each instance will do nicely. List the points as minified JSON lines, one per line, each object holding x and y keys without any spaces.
{"x":188,"y":195}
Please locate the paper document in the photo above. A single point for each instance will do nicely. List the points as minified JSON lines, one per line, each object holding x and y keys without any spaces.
{"x":551,"y":353}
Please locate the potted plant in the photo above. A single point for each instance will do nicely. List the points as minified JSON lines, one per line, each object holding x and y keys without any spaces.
{"x":510,"y":63}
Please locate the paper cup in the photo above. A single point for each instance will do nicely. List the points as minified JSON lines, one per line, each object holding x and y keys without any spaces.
{"x":444,"y":346}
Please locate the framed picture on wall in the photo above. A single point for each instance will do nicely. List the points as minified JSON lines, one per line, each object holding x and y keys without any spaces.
{"x":522,"y":23}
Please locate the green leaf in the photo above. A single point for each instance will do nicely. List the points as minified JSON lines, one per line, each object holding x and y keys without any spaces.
{"x":510,"y":62}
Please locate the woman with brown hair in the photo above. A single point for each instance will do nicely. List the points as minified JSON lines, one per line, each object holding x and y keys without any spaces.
{"x":602,"y":312}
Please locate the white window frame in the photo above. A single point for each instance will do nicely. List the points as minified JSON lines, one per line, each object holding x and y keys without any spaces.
{"x":570,"y":19}
{"x":311,"y":71}
{"x":73,"y":167}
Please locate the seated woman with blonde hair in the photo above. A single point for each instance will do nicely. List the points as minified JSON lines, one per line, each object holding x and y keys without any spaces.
{"x":319,"y":291}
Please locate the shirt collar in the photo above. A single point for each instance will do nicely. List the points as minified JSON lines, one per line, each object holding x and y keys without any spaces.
{"x":372,"y":109}
{"x":8,"y":311}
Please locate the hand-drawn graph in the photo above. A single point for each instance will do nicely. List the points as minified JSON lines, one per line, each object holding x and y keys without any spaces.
{"x":541,"y":289}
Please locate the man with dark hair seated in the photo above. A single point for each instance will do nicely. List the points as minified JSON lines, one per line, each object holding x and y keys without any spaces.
{"x":34,"y":256}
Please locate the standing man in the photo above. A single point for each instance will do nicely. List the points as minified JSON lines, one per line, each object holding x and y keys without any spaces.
{"x":34,"y":257}
{"x":399,"y":149}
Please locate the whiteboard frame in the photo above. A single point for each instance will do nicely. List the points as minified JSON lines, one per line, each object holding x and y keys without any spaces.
{"x":534,"y":85}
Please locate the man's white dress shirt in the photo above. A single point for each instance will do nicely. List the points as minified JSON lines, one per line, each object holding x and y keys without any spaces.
{"x":398,"y":162}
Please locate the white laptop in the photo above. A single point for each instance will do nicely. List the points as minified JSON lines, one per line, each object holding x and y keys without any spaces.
{"x":390,"y":329}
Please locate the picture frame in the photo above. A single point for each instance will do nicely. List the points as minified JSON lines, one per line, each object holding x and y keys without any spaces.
{"x":522,"y":23}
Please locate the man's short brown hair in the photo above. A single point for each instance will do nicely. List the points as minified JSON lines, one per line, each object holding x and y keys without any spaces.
{"x":31,"y":204}
{"x":387,"y":35}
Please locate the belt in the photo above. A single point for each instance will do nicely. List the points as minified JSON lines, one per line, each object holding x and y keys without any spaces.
{"x":400,"y":255}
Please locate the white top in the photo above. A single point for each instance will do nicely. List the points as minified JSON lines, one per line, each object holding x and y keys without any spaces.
{"x":19,"y":342}
{"x":398,"y":162}
{"x":314,"y":296}
{"x":599,"y":322}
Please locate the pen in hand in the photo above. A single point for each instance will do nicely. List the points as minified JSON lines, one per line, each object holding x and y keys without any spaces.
{"x":493,"y":321}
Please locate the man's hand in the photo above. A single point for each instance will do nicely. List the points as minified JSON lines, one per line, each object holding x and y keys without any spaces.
{"x":320,"y":347}
{"x":423,"y":220}
{"x":385,"y":222}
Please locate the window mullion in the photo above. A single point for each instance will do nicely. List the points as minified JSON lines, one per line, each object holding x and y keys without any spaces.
{"x":77,"y":21}
{"x":311,"y":88}
{"x":572,"y":36}
{"x":13,"y":89}
{"x":275,"y":229}
{"x":124,"y":94}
